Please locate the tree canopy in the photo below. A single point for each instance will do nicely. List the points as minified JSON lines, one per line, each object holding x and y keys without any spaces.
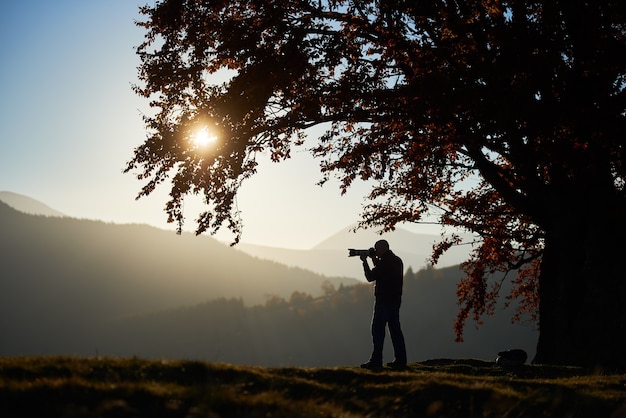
{"x":497,"y":116}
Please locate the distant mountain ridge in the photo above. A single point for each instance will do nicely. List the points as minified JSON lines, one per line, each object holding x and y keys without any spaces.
{"x":400,"y":238}
{"x":28,"y":205}
{"x":330,"y":257}
{"x":81,"y":287}
{"x":68,"y":271}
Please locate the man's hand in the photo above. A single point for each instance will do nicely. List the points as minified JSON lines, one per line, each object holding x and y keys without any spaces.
{"x":363,"y":258}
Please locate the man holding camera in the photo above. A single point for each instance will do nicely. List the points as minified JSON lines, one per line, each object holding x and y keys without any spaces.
{"x":388,"y":273}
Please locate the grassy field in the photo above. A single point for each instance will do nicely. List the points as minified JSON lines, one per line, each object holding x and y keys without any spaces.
{"x":105,"y":387}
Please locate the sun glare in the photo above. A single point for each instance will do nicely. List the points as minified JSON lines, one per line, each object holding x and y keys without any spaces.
{"x":204,"y":137}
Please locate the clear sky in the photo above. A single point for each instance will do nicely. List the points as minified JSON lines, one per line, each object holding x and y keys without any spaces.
{"x":70,"y":122}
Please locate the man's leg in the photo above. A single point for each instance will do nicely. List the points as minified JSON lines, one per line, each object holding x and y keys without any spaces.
{"x":379,"y":320}
{"x":397,"y":338}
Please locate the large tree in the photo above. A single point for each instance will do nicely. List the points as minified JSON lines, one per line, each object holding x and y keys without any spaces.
{"x":503,"y":118}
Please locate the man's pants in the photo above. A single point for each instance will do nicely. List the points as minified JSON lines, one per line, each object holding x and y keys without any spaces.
{"x":387,"y":313}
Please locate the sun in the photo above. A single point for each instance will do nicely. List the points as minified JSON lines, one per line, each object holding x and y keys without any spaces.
{"x":203,"y":137}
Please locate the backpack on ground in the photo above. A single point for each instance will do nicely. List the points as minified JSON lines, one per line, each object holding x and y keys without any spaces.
{"x":511,"y":358}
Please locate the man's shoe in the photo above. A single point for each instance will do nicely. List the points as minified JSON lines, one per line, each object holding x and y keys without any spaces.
{"x":396,"y":365}
{"x":371,"y":366}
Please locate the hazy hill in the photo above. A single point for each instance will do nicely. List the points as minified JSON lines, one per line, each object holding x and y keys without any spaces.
{"x":330,"y":257}
{"x":28,"y":205}
{"x":68,"y":273}
{"x":400,"y":238}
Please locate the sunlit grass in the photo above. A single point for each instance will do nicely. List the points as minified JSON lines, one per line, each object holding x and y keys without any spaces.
{"x":94,"y":387}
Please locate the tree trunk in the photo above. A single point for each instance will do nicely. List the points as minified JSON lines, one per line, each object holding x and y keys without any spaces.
{"x":582,"y":286}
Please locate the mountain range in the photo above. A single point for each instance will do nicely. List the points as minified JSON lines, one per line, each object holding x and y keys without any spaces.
{"x":28,"y":205}
{"x":82,"y":287}
{"x":158,"y":268}
{"x":328,"y":258}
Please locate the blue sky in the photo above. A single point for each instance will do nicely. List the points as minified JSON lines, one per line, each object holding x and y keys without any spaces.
{"x":70,"y":122}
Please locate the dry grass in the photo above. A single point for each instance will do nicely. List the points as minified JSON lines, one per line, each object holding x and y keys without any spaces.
{"x":95,"y":387}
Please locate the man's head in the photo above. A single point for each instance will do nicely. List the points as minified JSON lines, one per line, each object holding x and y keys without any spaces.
{"x":381,"y":247}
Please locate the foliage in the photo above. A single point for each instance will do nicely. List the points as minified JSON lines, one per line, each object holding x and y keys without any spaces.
{"x":99,"y":387}
{"x":494,"y":116}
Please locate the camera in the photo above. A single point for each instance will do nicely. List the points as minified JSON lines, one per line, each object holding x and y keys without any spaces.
{"x":357,"y":253}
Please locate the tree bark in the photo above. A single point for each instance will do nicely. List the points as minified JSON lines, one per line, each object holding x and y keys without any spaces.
{"x":582,"y":286}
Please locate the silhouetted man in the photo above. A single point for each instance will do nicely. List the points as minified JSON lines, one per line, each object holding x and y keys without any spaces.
{"x":388,"y":274}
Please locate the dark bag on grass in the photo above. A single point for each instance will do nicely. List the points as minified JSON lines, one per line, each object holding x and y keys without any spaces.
{"x":511,"y":358}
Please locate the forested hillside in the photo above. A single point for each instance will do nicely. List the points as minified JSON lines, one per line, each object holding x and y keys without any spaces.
{"x":326,"y":331}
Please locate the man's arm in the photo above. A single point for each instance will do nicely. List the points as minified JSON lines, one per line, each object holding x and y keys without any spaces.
{"x":369,"y":274}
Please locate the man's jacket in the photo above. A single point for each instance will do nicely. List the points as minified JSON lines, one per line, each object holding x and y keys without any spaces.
{"x":388,"y":274}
